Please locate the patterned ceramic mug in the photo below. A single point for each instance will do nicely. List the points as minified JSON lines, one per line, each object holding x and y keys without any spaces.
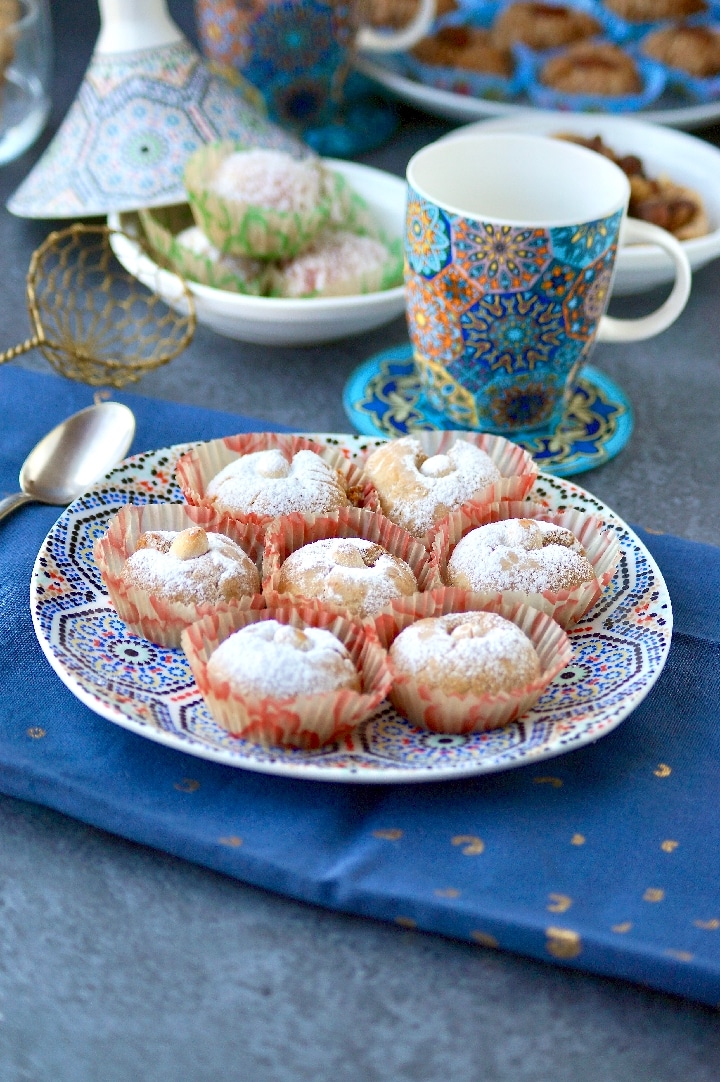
{"x":297,"y":53}
{"x":510,"y":250}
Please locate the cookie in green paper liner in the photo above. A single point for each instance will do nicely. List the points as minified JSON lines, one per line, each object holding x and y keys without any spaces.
{"x":348,"y":210}
{"x":264,"y":204}
{"x":339,"y":263}
{"x":173,"y":236}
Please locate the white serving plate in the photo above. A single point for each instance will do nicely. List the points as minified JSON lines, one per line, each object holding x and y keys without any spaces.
{"x":671,"y":109}
{"x":618,"y":654}
{"x":277,"y":321}
{"x":682,"y":157}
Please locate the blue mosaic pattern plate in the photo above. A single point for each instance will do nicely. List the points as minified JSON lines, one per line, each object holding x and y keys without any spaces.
{"x":618,"y":655}
{"x":383,"y":397}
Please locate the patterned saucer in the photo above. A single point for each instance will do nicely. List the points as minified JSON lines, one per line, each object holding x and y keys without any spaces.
{"x":383,"y":397}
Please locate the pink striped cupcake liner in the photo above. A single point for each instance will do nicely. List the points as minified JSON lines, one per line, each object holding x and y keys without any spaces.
{"x":567,"y":607}
{"x":442,"y":712}
{"x":305,"y":721}
{"x":155,"y":618}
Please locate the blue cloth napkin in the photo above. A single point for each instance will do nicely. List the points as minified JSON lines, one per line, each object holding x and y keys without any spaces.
{"x":605,"y":859}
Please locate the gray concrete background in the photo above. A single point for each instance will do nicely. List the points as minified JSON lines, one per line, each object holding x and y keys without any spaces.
{"x":119,"y":963}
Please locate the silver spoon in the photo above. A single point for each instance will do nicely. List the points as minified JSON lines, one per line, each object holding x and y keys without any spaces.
{"x":74,"y":455}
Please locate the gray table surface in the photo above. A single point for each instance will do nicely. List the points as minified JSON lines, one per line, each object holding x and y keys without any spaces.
{"x":119,"y":963}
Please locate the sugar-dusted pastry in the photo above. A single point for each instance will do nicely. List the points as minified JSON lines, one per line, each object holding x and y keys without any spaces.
{"x":174,"y":237}
{"x":525,"y":555}
{"x":542,"y":26}
{"x":469,"y":48}
{"x":593,"y":68}
{"x":270,"y":179}
{"x":651,"y":11}
{"x":273,"y":660}
{"x":287,"y":676}
{"x":463,"y":662}
{"x":258,"y":476}
{"x":270,"y":483}
{"x":348,"y":572}
{"x":416,"y":490}
{"x":338,"y":263}
{"x":691,"y":49}
{"x":191,"y":566}
{"x":163,"y":571}
{"x":478,"y":653}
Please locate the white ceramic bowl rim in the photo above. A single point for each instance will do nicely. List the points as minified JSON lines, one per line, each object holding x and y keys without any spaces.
{"x":285,"y":321}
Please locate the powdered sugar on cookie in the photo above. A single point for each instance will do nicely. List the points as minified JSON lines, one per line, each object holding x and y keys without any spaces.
{"x":222,"y":572}
{"x":417,"y":491}
{"x":528,"y":555}
{"x":269,"y":179}
{"x":195,"y":241}
{"x":462,"y":653}
{"x":337,"y":263}
{"x":269,"y":484}
{"x":270,"y":659}
{"x":349,"y":572}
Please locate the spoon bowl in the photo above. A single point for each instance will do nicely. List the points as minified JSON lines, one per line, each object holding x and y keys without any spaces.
{"x":74,"y":455}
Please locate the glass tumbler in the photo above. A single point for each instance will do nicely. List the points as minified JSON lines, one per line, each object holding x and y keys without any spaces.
{"x":25,"y":72}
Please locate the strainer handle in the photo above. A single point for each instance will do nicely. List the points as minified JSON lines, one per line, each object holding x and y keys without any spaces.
{"x":17,"y":351}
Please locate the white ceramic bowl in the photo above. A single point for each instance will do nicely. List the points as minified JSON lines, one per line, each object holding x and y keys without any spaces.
{"x":681,"y":157}
{"x":277,"y":321}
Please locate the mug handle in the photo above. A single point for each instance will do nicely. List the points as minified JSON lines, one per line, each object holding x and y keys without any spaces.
{"x":635,"y":330}
{"x":410,"y":35}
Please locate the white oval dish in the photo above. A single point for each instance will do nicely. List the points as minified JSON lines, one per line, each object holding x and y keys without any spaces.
{"x":279,"y":321}
{"x":683,"y":158}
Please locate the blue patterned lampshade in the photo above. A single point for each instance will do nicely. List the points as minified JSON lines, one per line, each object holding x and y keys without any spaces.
{"x":147,"y":101}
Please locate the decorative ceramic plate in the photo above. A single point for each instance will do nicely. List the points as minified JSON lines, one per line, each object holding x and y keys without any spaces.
{"x":618,"y":655}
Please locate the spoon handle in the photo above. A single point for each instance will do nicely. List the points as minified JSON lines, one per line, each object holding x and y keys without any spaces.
{"x":11,"y":502}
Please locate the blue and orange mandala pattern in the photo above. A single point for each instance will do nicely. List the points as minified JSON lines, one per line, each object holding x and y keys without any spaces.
{"x":581,"y":244}
{"x":434,"y":333}
{"x":504,"y":313}
{"x":427,"y":240}
{"x":510,"y":331}
{"x":499,"y":258}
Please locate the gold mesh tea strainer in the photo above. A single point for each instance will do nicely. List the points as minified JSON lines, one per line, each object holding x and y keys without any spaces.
{"x":93,"y":321}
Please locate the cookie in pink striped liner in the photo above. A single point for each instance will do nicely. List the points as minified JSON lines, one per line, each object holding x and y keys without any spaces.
{"x":559,"y":562}
{"x":353,"y":562}
{"x":259,"y":476}
{"x":281,"y":708}
{"x":421,"y":479}
{"x":163,"y":569}
{"x":456,"y":668}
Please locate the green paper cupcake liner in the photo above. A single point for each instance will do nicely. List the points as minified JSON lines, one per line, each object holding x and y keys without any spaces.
{"x":239,"y":228}
{"x":370,"y":280}
{"x":348,"y":210}
{"x":162,"y":226}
